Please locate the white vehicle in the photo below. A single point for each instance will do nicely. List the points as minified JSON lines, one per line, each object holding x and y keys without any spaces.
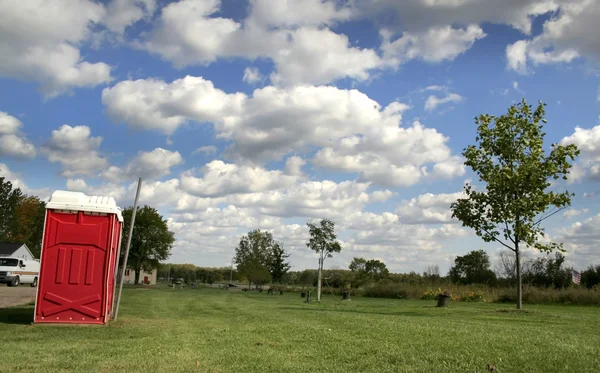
{"x":16,"y":271}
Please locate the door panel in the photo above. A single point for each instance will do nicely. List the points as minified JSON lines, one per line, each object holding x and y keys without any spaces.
{"x":75,"y":260}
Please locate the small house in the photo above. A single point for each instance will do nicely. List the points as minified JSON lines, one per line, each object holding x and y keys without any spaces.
{"x":15,"y":250}
{"x":146,"y":278}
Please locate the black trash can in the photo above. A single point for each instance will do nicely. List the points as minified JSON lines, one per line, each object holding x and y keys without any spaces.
{"x":303,"y":295}
{"x":443,"y":300}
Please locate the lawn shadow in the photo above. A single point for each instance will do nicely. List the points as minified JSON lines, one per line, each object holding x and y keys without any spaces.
{"x":22,"y":315}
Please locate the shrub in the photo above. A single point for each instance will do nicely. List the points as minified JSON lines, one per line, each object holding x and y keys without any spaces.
{"x":535,"y":295}
{"x":474,"y":296}
{"x":431,"y":294}
{"x":388,"y":289}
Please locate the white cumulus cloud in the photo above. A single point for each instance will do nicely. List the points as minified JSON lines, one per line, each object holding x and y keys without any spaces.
{"x":147,"y":165}
{"x":76,"y":150}
{"x":38,"y":42}
{"x":12,"y":142}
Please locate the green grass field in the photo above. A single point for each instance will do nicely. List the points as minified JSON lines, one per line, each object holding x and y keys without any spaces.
{"x":211,"y":330}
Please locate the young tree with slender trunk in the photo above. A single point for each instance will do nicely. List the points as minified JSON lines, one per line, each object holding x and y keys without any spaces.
{"x":511,"y":161}
{"x":323,"y":241}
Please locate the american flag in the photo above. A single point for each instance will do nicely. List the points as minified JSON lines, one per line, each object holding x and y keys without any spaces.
{"x":576,"y":277}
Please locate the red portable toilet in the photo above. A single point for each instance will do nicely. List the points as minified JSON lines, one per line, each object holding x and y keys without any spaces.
{"x":80,"y":246}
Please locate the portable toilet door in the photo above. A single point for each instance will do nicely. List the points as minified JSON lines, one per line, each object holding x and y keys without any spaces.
{"x":78,"y":249}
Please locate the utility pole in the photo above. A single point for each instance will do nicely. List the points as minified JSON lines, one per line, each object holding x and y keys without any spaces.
{"x":137,"y":195}
{"x":231,"y":271}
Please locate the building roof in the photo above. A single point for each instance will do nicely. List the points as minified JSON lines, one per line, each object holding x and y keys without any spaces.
{"x":9,"y":248}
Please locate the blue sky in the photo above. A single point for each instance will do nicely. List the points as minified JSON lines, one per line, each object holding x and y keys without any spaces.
{"x":270,"y":113}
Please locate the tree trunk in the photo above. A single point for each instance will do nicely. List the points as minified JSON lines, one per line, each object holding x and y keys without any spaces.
{"x":519,"y":286}
{"x":137,"y":276}
{"x":320,"y":277}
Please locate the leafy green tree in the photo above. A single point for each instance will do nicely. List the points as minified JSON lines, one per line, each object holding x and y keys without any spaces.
{"x":510,"y":160}
{"x":278,"y":267}
{"x":548,"y":272}
{"x":591,"y":276}
{"x":358,"y":265}
{"x":9,"y":201}
{"x":472,"y":268}
{"x":308,"y":277}
{"x":376,"y":270}
{"x":151,"y":242}
{"x":253,"y":256}
{"x":368,"y":270}
{"x":29,"y":223}
{"x":210,"y":277}
{"x":323,"y":241}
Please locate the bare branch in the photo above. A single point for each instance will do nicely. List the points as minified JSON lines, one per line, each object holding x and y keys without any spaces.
{"x":549,"y":215}
{"x":497,"y":240}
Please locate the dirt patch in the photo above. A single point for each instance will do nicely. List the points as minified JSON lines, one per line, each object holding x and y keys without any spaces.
{"x":16,"y":296}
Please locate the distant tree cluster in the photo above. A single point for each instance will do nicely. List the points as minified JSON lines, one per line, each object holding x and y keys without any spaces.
{"x":367,"y":271}
{"x":21,"y":217}
{"x":261,"y":259}
{"x":194,"y":274}
{"x":472,"y":268}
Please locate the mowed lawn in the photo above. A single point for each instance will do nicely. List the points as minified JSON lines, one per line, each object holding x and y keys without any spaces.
{"x":211,"y":330}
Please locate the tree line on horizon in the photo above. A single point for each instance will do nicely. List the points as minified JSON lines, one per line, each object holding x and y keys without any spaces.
{"x":473,"y":268}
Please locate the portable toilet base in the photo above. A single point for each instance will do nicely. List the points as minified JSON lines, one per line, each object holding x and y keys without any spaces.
{"x":80,"y":245}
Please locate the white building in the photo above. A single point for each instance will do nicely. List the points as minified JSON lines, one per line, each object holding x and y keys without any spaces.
{"x":15,"y":250}
{"x":146,"y":278}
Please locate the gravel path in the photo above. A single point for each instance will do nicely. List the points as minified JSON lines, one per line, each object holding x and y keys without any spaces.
{"x":16,"y":296}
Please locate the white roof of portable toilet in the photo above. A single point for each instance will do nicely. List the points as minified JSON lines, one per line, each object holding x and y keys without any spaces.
{"x":77,"y":201}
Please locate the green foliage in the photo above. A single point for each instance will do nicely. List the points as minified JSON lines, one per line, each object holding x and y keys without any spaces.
{"x":431,"y":294}
{"x":388,"y":289}
{"x":358,"y":265}
{"x":196,"y":274}
{"x":535,"y":295}
{"x":9,"y":200}
{"x":511,"y":161}
{"x":376,"y":270}
{"x":368,"y":270}
{"x":323,"y":238}
{"x":591,"y":276}
{"x":260,"y":258}
{"x":29,"y":227}
{"x":277,"y":265}
{"x":473,"y":296}
{"x":472,"y":268}
{"x":21,"y":217}
{"x":308,"y":277}
{"x":151,"y":241}
{"x":548,"y":272}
